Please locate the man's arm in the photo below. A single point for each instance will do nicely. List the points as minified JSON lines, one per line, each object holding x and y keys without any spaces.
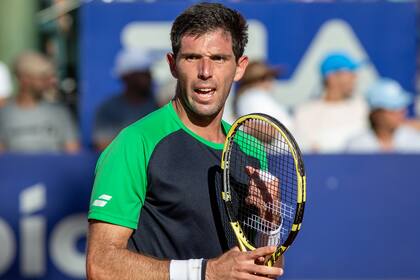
{"x":265,"y":191}
{"x":69,"y":133}
{"x":72,"y":147}
{"x":108,"y":258}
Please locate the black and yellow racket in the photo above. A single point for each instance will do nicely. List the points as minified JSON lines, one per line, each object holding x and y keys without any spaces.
{"x":264,"y":184}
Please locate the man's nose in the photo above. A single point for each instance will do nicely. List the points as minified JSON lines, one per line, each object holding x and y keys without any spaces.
{"x":205,"y":69}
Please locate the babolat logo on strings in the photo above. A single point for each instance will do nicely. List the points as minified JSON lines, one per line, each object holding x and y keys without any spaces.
{"x":102,"y":200}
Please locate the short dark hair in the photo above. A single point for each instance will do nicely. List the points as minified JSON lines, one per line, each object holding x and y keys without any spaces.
{"x":206,"y":17}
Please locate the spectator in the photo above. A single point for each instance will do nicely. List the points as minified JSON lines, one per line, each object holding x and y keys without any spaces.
{"x":388,"y":133}
{"x":27,"y":122}
{"x":136,"y":100}
{"x":5,"y":84}
{"x":326,"y":124}
{"x":254,"y":93}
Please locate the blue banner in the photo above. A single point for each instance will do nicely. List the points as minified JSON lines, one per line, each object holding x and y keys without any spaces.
{"x":360,"y":219}
{"x":43,"y":206}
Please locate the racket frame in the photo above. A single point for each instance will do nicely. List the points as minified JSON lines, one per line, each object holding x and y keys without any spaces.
{"x":243,"y":242}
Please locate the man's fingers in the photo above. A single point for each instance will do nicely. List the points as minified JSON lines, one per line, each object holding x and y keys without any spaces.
{"x":235,"y":249}
{"x":262,"y":175}
{"x":263,"y":270}
{"x":249,"y":170}
{"x":260,"y":260}
{"x":261,"y":252}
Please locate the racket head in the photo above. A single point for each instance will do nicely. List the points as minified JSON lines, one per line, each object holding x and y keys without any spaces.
{"x":264,"y":183}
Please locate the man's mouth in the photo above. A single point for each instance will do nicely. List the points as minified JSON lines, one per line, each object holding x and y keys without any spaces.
{"x":205,"y":91}
{"x":205,"y":94}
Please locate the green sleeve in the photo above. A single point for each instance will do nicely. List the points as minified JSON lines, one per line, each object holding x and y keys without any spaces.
{"x":253,"y":147}
{"x":120,"y":181}
{"x":257,"y":150}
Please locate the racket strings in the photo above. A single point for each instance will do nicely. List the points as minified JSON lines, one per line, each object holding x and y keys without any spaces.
{"x":265,"y":200}
{"x":263,"y":226}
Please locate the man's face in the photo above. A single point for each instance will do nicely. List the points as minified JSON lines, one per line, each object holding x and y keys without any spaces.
{"x":348,"y":81}
{"x":344,"y":82}
{"x":37,"y":83}
{"x":206,"y":67}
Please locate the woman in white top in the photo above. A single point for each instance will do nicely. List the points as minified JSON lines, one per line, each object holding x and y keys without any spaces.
{"x":388,"y":133}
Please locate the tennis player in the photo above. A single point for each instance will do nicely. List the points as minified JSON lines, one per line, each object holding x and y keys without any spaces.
{"x":154,"y":213}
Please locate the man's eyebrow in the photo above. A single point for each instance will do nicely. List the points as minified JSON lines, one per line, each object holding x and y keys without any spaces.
{"x":215,"y":55}
{"x":221,"y":55}
{"x":188,"y":54}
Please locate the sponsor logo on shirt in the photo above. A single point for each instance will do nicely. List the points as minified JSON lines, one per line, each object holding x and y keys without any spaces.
{"x":102,"y":200}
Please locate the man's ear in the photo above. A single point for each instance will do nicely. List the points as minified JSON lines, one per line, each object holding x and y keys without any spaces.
{"x":171,"y":59}
{"x":241,"y":67}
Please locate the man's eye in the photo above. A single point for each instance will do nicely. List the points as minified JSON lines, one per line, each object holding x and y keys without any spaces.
{"x":218,"y":58}
{"x":191,"y":57}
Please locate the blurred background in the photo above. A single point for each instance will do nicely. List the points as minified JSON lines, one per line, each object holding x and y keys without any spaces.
{"x":343,"y":76}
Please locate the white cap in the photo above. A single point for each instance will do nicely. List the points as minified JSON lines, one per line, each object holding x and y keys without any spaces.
{"x":5,"y":81}
{"x":133,"y":60}
{"x":388,"y":94}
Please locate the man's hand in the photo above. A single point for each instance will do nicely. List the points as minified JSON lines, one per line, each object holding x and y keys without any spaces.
{"x":264,"y":193}
{"x":235,"y":264}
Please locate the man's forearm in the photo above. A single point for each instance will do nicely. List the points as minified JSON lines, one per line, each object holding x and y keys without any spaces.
{"x":123,"y":264}
{"x":108,"y":256}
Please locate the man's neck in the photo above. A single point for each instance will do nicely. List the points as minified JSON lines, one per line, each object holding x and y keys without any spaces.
{"x":208,"y":128}
{"x":333,"y":95}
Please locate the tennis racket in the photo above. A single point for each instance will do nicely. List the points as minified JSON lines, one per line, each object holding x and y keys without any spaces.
{"x":264,"y":184}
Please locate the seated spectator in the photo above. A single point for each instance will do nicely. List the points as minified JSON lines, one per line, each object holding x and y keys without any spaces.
{"x":135,"y":101}
{"x":325,"y":125}
{"x":5,"y":84}
{"x":254,"y":93}
{"x":388,"y":133}
{"x":27,"y":122}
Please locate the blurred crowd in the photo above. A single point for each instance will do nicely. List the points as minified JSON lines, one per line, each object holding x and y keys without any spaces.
{"x":34,"y":119}
{"x":39,"y":114}
{"x":337,"y":120}
{"x":31,"y":120}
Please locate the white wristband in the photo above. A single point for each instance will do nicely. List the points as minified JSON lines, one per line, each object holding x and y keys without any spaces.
{"x":185,"y":269}
{"x":266,"y":176}
{"x":274,"y":237}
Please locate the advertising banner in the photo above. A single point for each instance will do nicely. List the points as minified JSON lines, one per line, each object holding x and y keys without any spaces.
{"x":294,"y":36}
{"x":360,"y":218}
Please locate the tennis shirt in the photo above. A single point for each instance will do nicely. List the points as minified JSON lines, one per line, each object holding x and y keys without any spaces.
{"x":161,"y":180}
